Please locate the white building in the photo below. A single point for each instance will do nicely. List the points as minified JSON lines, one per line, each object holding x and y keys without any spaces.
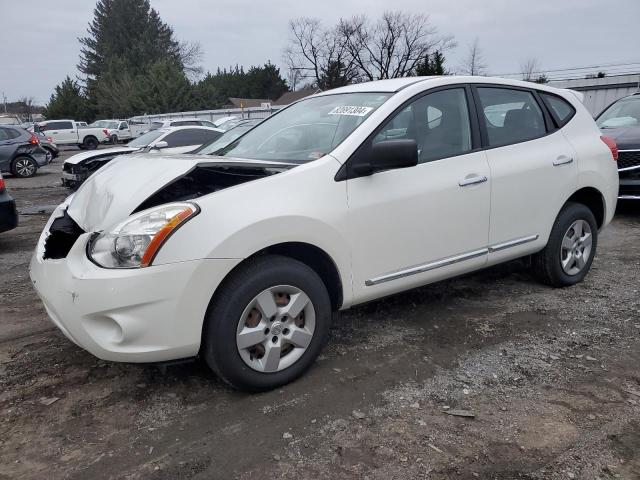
{"x":600,"y":92}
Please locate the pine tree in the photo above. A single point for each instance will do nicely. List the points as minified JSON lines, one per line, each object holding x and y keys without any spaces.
{"x":132,"y":32}
{"x":67,"y":101}
{"x":431,"y":65}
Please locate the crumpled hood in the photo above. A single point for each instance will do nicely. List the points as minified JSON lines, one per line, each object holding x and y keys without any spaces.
{"x":81,"y":157}
{"x":116,"y":190}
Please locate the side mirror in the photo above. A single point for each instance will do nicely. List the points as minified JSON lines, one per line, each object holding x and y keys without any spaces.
{"x":160,"y":145}
{"x":389,"y":155}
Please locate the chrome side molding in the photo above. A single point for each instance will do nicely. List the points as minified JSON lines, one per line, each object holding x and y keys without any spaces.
{"x":513,"y":243}
{"x":445,"y":262}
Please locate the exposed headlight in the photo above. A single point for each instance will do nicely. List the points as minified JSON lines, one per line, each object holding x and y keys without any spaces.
{"x":136,"y":241}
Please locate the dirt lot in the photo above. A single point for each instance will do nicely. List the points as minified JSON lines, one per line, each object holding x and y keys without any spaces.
{"x":552,"y":377}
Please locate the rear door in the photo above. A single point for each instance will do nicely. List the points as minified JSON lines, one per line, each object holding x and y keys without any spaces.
{"x":7,"y":149}
{"x":533,"y":169}
{"x":62,"y":132}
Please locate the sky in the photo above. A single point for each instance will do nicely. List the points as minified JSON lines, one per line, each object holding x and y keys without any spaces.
{"x":39,"y":39}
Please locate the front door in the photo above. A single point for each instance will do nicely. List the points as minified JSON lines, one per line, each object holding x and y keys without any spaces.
{"x":411,"y":226}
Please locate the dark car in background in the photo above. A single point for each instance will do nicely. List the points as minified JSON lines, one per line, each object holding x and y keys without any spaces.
{"x":48,"y":145}
{"x":621,"y":121}
{"x":20,"y":152}
{"x":8,"y":212}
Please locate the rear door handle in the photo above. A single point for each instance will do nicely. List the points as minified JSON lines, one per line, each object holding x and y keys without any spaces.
{"x":562,"y":160}
{"x":472,"y":180}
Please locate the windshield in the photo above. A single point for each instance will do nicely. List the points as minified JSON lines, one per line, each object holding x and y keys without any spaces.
{"x":99,"y":124}
{"x":226,"y":138}
{"x":307,"y":130}
{"x":623,"y":113}
{"x":146,"y":139}
{"x":112,"y":125}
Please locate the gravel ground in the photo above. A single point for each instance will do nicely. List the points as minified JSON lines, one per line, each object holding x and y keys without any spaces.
{"x":551,"y":377}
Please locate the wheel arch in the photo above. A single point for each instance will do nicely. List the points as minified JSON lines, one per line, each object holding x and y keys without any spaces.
{"x":594,"y":200}
{"x":314,"y":257}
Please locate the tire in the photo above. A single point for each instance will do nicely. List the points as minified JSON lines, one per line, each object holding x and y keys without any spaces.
{"x":24,"y":167}
{"x":49,"y":155}
{"x":90,"y":143}
{"x":564,"y":264}
{"x":114,"y":139}
{"x":235,"y":304}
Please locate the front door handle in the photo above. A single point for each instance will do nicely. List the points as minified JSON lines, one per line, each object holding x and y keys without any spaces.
{"x":562,"y":160}
{"x":472,"y":180}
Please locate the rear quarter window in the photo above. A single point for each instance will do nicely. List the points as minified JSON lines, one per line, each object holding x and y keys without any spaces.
{"x":561,"y":110}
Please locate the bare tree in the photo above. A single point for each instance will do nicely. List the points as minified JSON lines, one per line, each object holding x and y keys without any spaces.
{"x":361,"y":49}
{"x":474,"y":63}
{"x":293,"y":78}
{"x":393,"y":45}
{"x":320,"y":54}
{"x":529,"y":68}
{"x":191,"y":54}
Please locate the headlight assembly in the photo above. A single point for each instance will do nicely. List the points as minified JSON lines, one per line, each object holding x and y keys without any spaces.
{"x":135,"y":242}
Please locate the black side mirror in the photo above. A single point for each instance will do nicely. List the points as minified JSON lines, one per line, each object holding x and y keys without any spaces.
{"x":388,"y":155}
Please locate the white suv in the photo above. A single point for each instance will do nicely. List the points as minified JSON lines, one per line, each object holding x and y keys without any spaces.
{"x":347,"y":196}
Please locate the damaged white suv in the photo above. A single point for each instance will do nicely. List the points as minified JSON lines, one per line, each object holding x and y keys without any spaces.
{"x":241,"y":256}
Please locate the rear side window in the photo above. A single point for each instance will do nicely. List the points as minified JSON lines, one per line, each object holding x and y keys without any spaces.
{"x":56,"y":126}
{"x":190,"y":136}
{"x":3,"y":134}
{"x":561,"y":110}
{"x":510,"y":116}
{"x":11,"y":133}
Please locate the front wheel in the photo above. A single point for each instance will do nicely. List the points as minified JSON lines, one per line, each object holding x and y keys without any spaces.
{"x":24,"y":167}
{"x":114,"y":139}
{"x":567,"y":258}
{"x":267,"y":323}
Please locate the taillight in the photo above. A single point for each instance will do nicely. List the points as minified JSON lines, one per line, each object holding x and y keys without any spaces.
{"x":34,"y":140}
{"x":1,"y":184}
{"x":106,"y":132}
{"x":50,"y":139}
{"x":611,"y":143}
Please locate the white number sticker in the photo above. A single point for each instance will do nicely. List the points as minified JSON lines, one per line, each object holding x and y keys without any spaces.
{"x":349,"y":110}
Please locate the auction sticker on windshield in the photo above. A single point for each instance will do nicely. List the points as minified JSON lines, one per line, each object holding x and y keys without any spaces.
{"x":351,"y":110}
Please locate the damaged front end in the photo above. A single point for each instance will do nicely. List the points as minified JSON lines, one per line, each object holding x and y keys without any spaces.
{"x":75,"y":174}
{"x":120,"y":191}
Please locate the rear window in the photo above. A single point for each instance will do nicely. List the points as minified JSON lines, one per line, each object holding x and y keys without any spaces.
{"x":511,"y":116}
{"x":11,"y":133}
{"x":56,"y":126}
{"x":561,"y":110}
{"x":191,"y":136}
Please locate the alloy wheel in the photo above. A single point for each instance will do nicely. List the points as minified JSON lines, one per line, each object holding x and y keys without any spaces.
{"x":576,"y":247}
{"x":25,"y":167}
{"x":275,"y":328}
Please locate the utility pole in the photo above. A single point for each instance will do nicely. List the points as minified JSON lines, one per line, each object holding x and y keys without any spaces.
{"x":4,"y":99}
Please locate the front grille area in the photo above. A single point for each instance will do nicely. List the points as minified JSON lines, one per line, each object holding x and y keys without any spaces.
{"x":63,"y":233}
{"x":629,"y":159}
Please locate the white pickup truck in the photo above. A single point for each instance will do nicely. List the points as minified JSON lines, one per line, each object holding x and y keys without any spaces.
{"x":70,"y":132}
{"x":122,"y":130}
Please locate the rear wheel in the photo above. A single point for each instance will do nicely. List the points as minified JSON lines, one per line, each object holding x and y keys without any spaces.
{"x":267,"y":323}
{"x":567,"y":258}
{"x":90,"y":143}
{"x":24,"y":167}
{"x":48,"y":155}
